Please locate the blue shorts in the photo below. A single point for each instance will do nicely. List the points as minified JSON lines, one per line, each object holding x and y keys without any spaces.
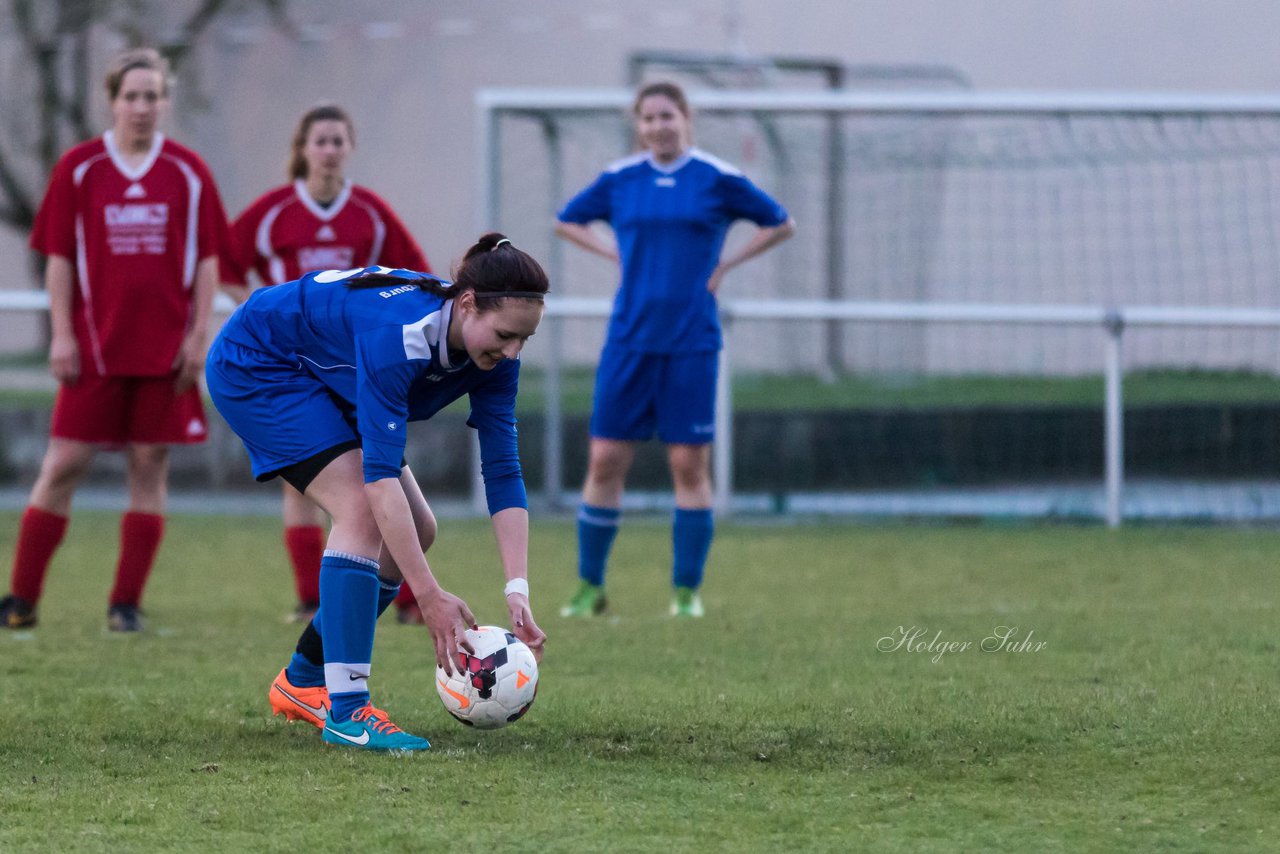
{"x":637,"y":393}
{"x":281,"y":413}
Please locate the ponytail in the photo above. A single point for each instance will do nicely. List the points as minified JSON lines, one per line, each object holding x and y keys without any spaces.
{"x":422,"y":281}
{"x":493,"y":268}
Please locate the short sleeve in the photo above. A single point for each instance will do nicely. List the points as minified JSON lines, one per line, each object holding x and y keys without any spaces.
{"x":591,"y":204}
{"x":744,"y":200}
{"x":54,"y":232}
{"x":241,"y":254}
{"x":399,"y":249}
{"x":214,"y":236}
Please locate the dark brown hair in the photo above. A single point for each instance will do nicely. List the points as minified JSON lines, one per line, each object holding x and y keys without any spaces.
{"x":666,"y":89}
{"x":142,"y":57}
{"x":318,"y":113}
{"x":492,"y":267}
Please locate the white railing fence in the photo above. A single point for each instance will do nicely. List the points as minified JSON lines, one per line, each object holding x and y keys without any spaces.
{"x":1111,"y":322}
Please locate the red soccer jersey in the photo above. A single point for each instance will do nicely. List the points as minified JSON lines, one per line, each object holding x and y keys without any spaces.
{"x":134,"y":237}
{"x":286,"y":234}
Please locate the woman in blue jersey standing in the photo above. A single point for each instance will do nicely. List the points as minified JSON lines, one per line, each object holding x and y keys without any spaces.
{"x":670,"y":207}
{"x":319,"y":378}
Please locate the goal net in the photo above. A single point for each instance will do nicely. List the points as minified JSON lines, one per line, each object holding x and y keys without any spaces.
{"x":908,"y":199}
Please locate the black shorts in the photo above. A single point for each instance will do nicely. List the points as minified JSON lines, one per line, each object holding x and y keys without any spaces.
{"x":300,"y":475}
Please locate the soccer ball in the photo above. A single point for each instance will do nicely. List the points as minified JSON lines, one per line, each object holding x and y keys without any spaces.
{"x":496,"y":685}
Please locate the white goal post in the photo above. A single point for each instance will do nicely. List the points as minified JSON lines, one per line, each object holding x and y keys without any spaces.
{"x":948,"y":236}
{"x":1084,"y":144}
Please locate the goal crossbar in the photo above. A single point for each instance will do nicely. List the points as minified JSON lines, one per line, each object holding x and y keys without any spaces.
{"x":902,"y":103}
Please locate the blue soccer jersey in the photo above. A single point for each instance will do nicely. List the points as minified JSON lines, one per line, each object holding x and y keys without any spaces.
{"x":382,"y":354}
{"x":670,"y":223}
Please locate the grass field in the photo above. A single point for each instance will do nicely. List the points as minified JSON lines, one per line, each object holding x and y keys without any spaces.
{"x":790,"y":392}
{"x":1148,"y":719}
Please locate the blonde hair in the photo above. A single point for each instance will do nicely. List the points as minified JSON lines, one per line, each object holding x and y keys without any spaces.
{"x":141,"y":57}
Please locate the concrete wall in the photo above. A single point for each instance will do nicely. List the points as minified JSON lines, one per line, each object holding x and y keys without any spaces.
{"x":408,"y":72}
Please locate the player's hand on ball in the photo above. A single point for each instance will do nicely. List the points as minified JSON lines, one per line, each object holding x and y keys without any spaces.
{"x":523,"y":625}
{"x":447,"y":618}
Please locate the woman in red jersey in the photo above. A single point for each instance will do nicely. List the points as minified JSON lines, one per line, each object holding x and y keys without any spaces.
{"x":320,"y":220}
{"x":132,"y":225}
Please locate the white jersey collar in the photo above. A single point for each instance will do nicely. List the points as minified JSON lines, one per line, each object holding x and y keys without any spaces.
{"x":672,"y":167}
{"x":117,"y":158}
{"x":324,"y":214}
{"x":442,"y":335}
{"x":442,"y":339}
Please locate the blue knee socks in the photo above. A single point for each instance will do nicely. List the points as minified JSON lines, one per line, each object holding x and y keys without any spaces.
{"x":306,"y":668}
{"x":691,"y":533}
{"x":597,"y":526}
{"x":349,"y":589}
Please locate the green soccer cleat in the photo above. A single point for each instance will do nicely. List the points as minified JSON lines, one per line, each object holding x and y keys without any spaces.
{"x":589,"y":601}
{"x":687,"y":603}
{"x":369,"y":729}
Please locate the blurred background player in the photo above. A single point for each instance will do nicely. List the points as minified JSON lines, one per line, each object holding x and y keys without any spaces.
{"x":318,"y":221}
{"x":670,"y":207}
{"x":132,"y":225}
{"x":319,"y":378}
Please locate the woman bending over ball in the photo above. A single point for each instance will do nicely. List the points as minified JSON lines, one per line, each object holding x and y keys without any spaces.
{"x":319,"y":377}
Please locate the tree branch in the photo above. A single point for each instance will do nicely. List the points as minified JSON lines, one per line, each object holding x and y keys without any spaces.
{"x":192,"y":29}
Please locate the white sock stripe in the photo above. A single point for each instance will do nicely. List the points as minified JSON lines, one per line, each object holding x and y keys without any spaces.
{"x":388,"y":585}
{"x":599,"y":521}
{"x":363,"y":561}
{"x":346,"y":678}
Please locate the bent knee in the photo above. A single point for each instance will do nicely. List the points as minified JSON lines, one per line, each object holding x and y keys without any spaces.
{"x":427,"y":531}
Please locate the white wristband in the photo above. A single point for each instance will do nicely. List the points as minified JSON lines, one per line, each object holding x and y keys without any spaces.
{"x":517,"y":585}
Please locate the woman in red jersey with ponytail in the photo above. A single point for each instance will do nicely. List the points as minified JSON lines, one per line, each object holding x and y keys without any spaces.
{"x":320,"y":220}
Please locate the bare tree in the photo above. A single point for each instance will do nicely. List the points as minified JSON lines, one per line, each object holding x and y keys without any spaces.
{"x":48,"y":105}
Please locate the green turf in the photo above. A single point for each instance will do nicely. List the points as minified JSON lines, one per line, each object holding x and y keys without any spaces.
{"x":1147,"y":721}
{"x":33,"y":359}
{"x":774,"y":392}
{"x":784,"y":392}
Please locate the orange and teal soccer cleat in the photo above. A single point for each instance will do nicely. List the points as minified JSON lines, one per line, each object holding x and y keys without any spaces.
{"x":589,"y":601}
{"x":370,"y":729}
{"x":687,"y":603}
{"x":299,"y":704}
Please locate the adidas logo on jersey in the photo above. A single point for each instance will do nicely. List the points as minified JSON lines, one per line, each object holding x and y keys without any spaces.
{"x":135,"y":191}
{"x":195,"y":427}
{"x":326,"y":233}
